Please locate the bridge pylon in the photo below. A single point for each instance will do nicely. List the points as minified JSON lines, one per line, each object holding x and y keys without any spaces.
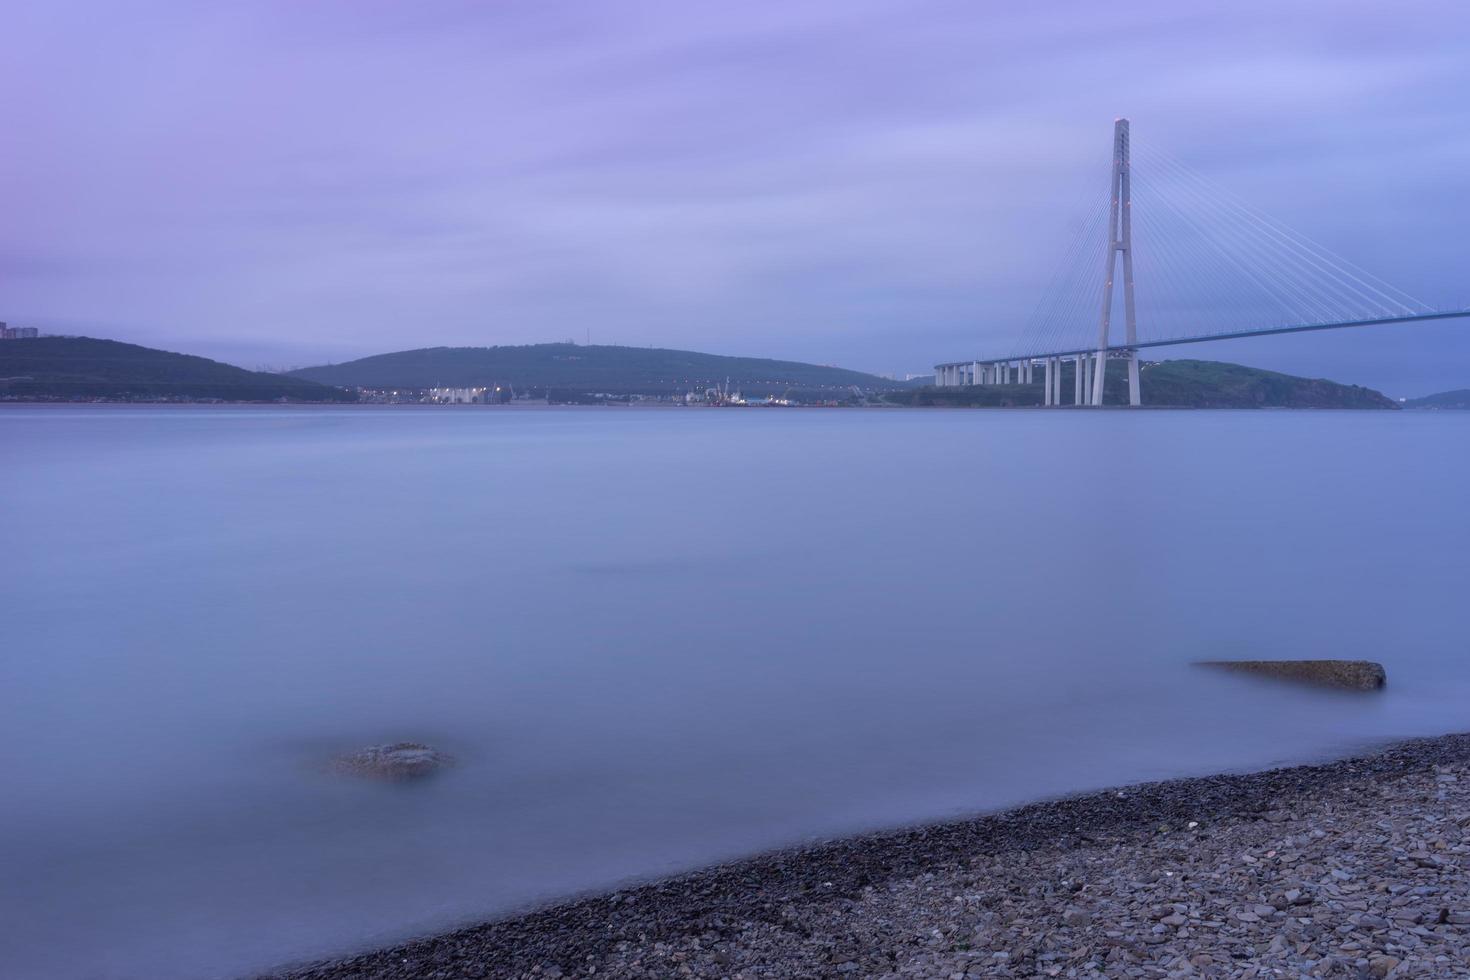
{"x":1120,"y":242}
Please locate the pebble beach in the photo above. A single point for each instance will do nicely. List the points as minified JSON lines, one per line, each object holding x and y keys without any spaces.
{"x":1353,"y":868}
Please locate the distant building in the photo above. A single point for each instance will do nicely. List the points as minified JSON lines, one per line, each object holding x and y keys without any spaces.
{"x":17,"y":333}
{"x":467,"y":396}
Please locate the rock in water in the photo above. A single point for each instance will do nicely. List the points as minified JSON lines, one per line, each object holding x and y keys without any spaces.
{"x":1353,"y":675}
{"x":399,"y":761}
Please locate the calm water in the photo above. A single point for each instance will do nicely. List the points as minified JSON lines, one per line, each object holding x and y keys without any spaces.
{"x":654,"y":638}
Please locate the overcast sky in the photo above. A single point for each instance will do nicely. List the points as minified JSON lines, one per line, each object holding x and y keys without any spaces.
{"x":880,"y":185}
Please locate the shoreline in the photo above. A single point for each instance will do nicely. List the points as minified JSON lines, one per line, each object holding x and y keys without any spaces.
{"x":1353,"y":867}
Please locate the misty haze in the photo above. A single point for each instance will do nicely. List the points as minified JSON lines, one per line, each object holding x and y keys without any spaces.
{"x":801,"y":490}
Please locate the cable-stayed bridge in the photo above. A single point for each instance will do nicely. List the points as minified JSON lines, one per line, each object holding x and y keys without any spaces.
{"x":1212,"y":267}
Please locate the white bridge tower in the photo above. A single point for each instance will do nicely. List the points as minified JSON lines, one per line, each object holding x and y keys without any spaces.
{"x":1120,"y":242}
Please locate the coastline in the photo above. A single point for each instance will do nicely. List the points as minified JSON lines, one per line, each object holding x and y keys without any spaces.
{"x":1353,"y":867}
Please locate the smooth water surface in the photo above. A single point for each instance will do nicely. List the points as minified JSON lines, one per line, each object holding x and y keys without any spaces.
{"x":653,"y":638}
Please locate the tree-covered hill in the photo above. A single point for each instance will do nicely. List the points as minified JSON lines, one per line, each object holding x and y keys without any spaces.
{"x":1179,"y":384}
{"x":635,"y":370}
{"x":1458,"y":399}
{"x":80,"y":368}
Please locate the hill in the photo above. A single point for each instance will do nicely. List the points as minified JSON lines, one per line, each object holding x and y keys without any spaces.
{"x":84,"y":368}
{"x":1175,"y":384}
{"x":1458,"y":399}
{"x":592,"y":368}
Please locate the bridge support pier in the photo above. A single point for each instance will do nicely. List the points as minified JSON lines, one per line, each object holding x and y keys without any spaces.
{"x":1046,"y":380}
{"x":1135,"y":396}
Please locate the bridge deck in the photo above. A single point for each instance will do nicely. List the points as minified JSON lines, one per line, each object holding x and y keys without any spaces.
{"x":1204,"y":338}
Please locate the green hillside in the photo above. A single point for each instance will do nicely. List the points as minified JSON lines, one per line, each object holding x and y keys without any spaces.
{"x":1178,"y":384}
{"x":618,"y":370}
{"x":82,"y":368}
{"x":1457,"y":399}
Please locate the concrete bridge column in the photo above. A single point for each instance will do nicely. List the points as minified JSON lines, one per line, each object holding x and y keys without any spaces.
{"x":1086,"y":379}
{"x":1046,"y":380}
{"x":1077,"y":380}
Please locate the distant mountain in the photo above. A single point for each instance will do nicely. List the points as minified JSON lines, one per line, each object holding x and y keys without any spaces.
{"x":1460,"y":398}
{"x":618,"y":370}
{"x":80,"y":368}
{"x":1177,"y":384}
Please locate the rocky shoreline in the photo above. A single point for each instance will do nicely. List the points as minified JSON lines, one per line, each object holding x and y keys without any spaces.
{"x":1353,"y":868}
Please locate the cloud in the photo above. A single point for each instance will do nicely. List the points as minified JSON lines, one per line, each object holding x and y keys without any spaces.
{"x":885,"y":184}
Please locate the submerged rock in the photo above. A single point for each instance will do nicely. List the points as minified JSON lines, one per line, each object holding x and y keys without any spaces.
{"x":399,"y":761}
{"x":1353,"y":675}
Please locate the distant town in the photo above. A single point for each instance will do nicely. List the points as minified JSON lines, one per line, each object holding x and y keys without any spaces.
{"x":505,"y":394}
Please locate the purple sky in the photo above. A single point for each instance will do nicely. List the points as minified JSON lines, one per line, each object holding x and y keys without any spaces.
{"x":877,"y":185}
